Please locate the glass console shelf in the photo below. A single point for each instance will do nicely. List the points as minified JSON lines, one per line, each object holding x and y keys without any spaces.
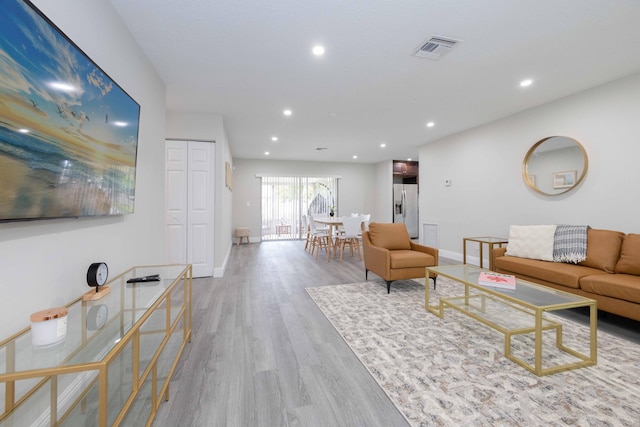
{"x":115,"y":363}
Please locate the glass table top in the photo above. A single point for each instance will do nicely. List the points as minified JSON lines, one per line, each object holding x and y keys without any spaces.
{"x":527,"y":293}
{"x":487,"y":239}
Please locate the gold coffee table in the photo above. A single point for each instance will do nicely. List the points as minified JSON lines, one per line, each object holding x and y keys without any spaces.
{"x":520,"y":312}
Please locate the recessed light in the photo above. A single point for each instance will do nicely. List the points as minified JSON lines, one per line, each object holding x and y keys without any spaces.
{"x":383,"y":145}
{"x":274,"y":138}
{"x":526,"y":83}
{"x":430,"y":124}
{"x":409,"y":159}
{"x":318,"y":50}
{"x":287,"y":112}
{"x":23,"y":130}
{"x":266,"y":153}
{"x":355,"y":157}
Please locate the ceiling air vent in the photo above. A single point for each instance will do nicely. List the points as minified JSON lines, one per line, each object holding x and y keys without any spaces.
{"x":435,"y":46}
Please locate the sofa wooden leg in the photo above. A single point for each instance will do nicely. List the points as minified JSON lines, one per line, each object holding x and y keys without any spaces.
{"x":388,"y":286}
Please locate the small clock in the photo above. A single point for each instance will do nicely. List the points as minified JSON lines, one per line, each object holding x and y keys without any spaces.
{"x":97,"y":274}
{"x":97,"y":317}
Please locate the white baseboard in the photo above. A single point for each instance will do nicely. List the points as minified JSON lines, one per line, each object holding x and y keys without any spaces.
{"x":450,"y":255}
{"x":456,"y":256}
{"x":219,"y":272}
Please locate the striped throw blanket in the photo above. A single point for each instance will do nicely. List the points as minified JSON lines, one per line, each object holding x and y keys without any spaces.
{"x":570,"y":243}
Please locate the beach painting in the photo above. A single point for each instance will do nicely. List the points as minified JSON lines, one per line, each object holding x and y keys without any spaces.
{"x":68,"y":133}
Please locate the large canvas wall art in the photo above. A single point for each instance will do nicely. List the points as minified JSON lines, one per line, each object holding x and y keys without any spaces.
{"x":68,"y":133}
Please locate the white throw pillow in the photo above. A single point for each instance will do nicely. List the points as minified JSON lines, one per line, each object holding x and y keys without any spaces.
{"x":531,"y":241}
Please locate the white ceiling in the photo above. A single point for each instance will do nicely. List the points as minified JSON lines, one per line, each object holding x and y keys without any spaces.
{"x":248,"y":60}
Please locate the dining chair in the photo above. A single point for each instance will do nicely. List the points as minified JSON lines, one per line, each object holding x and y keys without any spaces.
{"x":364,"y":226}
{"x":306,"y":232}
{"x":319,"y":227}
{"x":349,"y":237}
{"x":320,"y":239}
{"x":366,"y":218}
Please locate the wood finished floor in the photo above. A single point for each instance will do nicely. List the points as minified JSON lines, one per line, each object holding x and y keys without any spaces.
{"x":263,"y":354}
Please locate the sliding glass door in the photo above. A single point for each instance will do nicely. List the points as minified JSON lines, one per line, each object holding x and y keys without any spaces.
{"x":286,"y":198}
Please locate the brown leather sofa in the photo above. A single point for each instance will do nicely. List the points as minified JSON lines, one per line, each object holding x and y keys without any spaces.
{"x":610,"y":274}
{"x":390,"y":253}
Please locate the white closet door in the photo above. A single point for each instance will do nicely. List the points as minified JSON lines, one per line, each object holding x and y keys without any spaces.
{"x":176,"y":202}
{"x":190,"y":216}
{"x":200,"y":209}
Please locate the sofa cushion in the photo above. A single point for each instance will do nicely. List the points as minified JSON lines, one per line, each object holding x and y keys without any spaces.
{"x":629,"y":262}
{"x":555,"y":272}
{"x":603,"y":249}
{"x":410,"y":259}
{"x":620,"y":286}
{"x":390,"y":236}
{"x":531,"y":241}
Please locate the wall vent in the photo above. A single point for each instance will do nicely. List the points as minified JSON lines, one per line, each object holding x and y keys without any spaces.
{"x":431,"y":234}
{"x":435,"y":47}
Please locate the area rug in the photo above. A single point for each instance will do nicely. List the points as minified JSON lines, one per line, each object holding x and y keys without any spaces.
{"x":452,"y":371}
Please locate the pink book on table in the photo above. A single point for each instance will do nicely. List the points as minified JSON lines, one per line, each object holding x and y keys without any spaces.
{"x":497,"y":280}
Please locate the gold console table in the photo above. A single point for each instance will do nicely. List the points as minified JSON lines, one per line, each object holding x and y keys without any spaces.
{"x":115,"y":363}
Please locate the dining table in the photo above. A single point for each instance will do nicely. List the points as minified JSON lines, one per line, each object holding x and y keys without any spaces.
{"x":333,"y":222}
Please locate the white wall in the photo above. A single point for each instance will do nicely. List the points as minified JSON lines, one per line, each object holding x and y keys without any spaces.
{"x":210,"y":127}
{"x":488,"y":193}
{"x":43,"y":264}
{"x":356,"y":188}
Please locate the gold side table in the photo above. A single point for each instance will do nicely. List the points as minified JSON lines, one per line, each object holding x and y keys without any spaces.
{"x":489,"y":241}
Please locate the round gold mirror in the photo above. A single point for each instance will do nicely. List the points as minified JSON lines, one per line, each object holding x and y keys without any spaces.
{"x":555,"y":165}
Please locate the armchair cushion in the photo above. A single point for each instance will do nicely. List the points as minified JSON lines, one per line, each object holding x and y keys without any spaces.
{"x":390,"y":236}
{"x":409,"y":259}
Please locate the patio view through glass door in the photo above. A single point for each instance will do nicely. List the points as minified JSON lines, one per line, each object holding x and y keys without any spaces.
{"x":286,"y":198}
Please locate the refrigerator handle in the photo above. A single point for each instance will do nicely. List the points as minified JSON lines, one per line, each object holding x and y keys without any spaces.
{"x":404,"y":204}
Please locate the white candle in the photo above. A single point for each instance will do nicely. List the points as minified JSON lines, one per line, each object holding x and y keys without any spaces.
{"x":49,"y":327}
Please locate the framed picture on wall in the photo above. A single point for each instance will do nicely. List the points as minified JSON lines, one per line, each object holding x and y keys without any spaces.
{"x":68,"y":132}
{"x":228,"y":176}
{"x":564,"y":179}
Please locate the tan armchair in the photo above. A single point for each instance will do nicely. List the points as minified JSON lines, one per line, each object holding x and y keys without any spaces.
{"x":390,"y":253}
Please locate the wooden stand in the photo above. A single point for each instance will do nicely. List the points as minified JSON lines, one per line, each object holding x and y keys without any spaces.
{"x":242,"y":233}
{"x":92,"y":295}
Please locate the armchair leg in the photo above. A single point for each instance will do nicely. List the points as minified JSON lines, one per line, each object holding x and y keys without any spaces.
{"x":388,"y":286}
{"x":434,"y":281}
{"x":366,"y":274}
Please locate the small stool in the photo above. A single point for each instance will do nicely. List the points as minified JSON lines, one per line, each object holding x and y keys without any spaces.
{"x":242,"y":232}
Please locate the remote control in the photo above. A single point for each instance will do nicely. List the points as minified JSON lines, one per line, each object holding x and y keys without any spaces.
{"x":151,"y":278}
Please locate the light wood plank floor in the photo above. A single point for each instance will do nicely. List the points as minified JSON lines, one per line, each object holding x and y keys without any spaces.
{"x":263,"y":354}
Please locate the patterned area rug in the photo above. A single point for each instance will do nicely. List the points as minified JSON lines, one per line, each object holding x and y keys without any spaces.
{"x":452,"y":371}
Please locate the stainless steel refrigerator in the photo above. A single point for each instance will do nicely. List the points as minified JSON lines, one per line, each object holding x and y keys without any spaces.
{"x":405,"y":207}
